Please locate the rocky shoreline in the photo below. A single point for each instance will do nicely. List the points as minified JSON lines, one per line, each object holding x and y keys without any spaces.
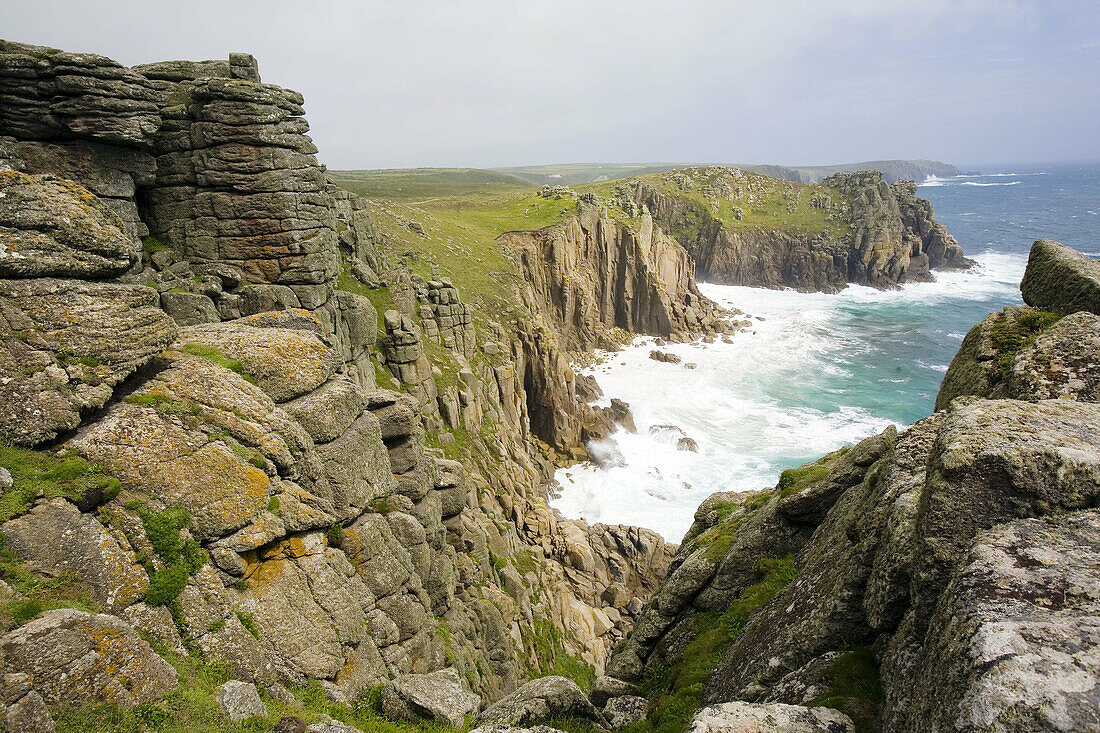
{"x":251,"y":451}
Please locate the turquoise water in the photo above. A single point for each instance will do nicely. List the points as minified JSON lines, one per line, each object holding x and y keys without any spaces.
{"x":820,"y":371}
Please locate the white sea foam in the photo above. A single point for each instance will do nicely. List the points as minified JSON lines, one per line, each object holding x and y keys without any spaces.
{"x":743,"y":403}
{"x":956,"y":180}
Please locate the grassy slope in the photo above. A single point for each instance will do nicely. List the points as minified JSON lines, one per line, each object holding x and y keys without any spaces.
{"x":764,"y":203}
{"x":463,"y":211}
{"x":460,"y":235}
{"x":414,"y":183}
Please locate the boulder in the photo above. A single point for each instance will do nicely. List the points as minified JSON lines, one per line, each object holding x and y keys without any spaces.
{"x":1059,"y":278}
{"x":1014,"y":642}
{"x":1062,"y":362}
{"x":28,"y":714}
{"x":626,"y":710}
{"x":239,"y":701}
{"x":606,"y":688}
{"x":285,"y":363}
{"x":80,"y":658}
{"x":438,"y":697}
{"x":65,"y":344}
{"x":327,"y":412}
{"x":55,"y":538}
{"x":189,"y":309}
{"x":50,"y":227}
{"x":546,"y":698}
{"x":746,"y":717}
{"x":997,"y":460}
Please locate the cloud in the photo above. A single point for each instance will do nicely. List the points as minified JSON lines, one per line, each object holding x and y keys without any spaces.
{"x":497,"y":83}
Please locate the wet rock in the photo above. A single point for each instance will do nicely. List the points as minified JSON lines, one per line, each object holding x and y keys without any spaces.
{"x":664,"y":356}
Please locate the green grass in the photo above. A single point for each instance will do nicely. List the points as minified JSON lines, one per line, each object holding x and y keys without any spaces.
{"x":191,"y":708}
{"x":418,"y":183}
{"x":181,"y":557}
{"x":793,"y":480}
{"x":164,"y":404}
{"x":553,"y":659}
{"x":152,"y":244}
{"x":460,"y":236}
{"x":676,"y":692}
{"x":1010,"y":338}
{"x":38,"y":474}
{"x":738,"y":199}
{"x":854,"y":688}
{"x":213,"y":354}
{"x":39,"y":593}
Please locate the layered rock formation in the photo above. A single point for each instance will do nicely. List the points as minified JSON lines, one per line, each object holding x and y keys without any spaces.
{"x":955,"y":560}
{"x":852,"y":228}
{"x":184,"y":303}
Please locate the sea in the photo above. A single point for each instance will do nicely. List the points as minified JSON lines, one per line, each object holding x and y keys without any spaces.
{"x":816,"y":372}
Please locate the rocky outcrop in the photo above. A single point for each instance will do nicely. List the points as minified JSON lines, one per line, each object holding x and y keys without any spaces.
{"x":66,"y":339}
{"x":1030,"y":353}
{"x":1061,"y":279}
{"x":921,"y":556}
{"x":857,"y":228}
{"x":436,"y":697}
{"x":743,"y":717}
{"x":1012,"y":639}
{"x":592,"y":274}
{"x":547,"y":698}
{"x":76,"y":657}
{"x":290,"y":513}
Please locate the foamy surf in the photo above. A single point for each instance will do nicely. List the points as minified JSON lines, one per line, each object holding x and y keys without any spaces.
{"x":818,"y":372}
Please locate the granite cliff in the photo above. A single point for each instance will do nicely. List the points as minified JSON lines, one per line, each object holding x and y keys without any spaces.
{"x":743,"y":228}
{"x":216,"y":447}
{"x":268,"y":466}
{"x":941,"y":577}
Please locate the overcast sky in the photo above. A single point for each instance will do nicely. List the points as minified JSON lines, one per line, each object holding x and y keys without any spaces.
{"x":409,"y":83}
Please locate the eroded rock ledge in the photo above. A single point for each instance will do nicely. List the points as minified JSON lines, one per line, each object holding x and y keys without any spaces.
{"x":942,"y":577}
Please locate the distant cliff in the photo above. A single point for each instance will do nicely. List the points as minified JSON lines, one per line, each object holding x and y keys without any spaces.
{"x":743,"y":228}
{"x":892,"y":170}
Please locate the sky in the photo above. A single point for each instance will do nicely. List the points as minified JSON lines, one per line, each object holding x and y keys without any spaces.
{"x":411,"y":83}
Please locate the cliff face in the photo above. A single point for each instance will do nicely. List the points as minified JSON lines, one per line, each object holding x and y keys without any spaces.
{"x":852,"y":228}
{"x":186,"y":315}
{"x":900,"y":580}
